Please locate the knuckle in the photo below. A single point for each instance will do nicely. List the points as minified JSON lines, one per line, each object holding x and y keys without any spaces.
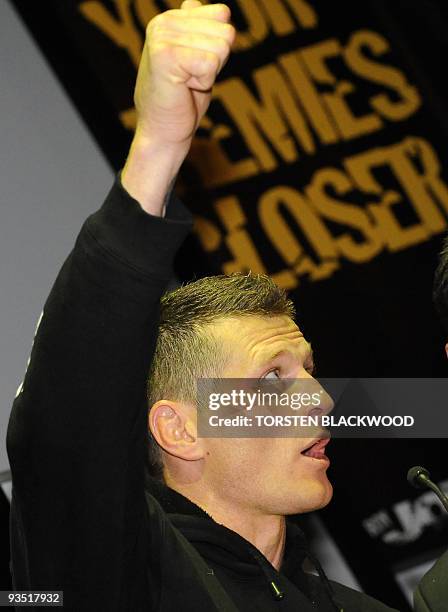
{"x":230,"y":32}
{"x":190,"y":39}
{"x":164,"y":21}
{"x":153,"y":32}
{"x":161,"y":49}
{"x":152,"y":25}
{"x":204,"y":61}
{"x":212,"y":62}
{"x":222,"y":46}
{"x":167,"y":19}
{"x":224,"y":10}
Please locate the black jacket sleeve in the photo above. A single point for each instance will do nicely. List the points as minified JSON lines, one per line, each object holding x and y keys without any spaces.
{"x":77,"y":431}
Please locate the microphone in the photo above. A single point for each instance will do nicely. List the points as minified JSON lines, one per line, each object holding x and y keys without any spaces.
{"x":419,"y":478}
{"x":431,"y":593}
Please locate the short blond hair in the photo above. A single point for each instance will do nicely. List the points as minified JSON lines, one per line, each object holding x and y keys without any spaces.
{"x":186,"y":350}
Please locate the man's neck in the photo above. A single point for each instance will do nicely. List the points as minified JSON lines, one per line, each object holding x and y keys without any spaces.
{"x":266,"y":532}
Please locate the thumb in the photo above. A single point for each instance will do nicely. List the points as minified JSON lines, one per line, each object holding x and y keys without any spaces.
{"x":191,"y":4}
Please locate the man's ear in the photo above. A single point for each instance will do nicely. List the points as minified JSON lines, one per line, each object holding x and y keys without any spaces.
{"x":173,"y":426}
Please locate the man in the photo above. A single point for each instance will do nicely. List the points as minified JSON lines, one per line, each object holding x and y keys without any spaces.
{"x":207,"y":530}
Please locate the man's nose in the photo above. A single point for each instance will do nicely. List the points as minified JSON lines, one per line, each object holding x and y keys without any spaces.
{"x":327,"y":402}
{"x":321,"y":401}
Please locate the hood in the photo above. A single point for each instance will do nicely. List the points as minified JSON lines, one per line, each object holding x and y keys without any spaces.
{"x":219,"y":545}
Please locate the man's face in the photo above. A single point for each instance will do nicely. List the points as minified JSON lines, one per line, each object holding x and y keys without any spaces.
{"x":267,"y":475}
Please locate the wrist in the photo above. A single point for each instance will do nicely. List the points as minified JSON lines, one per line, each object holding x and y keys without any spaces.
{"x":150,"y":171}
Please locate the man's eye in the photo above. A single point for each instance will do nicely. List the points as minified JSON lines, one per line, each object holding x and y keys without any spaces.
{"x":310,"y":369}
{"x":273,"y":374}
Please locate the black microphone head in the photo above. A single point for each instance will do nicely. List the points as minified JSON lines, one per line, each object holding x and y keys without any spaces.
{"x":417,"y":476}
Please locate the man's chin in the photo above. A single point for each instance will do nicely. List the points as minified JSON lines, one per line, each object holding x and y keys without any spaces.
{"x":321,"y":497}
{"x":326,"y":497}
{"x":316,"y":498}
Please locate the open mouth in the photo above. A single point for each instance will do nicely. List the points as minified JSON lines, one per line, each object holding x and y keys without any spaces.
{"x":316,"y":449}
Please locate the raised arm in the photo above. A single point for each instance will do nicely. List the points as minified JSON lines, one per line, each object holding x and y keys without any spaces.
{"x":184,"y":51}
{"x":76,"y":436}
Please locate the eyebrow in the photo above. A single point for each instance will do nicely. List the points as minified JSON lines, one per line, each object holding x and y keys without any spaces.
{"x":309,"y":353}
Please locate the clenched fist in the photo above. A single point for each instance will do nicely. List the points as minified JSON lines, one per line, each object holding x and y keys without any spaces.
{"x":185,"y":50}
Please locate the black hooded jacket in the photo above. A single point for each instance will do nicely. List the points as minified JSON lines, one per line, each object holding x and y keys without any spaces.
{"x":84,"y":519}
